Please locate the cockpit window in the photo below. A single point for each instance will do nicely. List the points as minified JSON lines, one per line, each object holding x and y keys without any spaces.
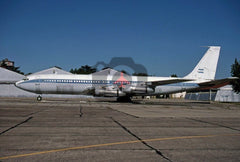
{"x":25,"y":79}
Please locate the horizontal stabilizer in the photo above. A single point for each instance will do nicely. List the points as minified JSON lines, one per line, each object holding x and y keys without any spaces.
{"x":216,"y":83}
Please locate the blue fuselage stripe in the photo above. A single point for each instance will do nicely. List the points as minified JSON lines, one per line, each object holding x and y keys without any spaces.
{"x":75,"y":81}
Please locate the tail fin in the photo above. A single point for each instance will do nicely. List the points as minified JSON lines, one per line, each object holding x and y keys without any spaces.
{"x":207,"y":66}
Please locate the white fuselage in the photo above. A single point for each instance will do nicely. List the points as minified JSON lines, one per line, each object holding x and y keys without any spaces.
{"x":84,"y":84}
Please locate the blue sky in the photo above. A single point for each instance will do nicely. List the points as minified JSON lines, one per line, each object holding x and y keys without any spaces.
{"x":164,"y":35}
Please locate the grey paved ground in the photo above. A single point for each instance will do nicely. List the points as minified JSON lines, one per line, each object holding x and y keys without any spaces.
{"x":157,"y":130}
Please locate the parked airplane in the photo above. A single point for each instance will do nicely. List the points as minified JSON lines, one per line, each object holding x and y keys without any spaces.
{"x":107,"y":85}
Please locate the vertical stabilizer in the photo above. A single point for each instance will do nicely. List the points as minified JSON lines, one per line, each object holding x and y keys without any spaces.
{"x":207,"y":66}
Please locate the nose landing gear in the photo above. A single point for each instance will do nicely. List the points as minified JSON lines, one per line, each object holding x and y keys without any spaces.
{"x":39,"y":98}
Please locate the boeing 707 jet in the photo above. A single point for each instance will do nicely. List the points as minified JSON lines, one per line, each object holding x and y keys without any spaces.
{"x":124,"y":86}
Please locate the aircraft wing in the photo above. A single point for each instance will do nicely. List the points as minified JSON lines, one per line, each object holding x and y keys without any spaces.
{"x":216,"y":83}
{"x":168,"y":81}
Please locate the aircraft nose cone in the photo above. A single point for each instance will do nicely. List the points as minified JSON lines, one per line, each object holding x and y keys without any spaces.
{"x":26,"y":85}
{"x":22,"y":85}
{"x":18,"y":84}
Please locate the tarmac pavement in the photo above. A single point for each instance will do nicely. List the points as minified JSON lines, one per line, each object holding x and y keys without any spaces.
{"x":104,"y":130}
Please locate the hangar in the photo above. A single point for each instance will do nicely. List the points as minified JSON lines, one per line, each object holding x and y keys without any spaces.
{"x":226,"y":94}
{"x":7,"y":88}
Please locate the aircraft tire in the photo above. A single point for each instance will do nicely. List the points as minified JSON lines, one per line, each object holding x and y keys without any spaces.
{"x":39,"y":98}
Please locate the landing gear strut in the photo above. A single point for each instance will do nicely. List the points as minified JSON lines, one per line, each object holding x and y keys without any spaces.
{"x":39,"y":98}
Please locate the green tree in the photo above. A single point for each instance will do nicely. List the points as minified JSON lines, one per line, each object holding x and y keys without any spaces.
{"x":174,"y":75}
{"x":3,"y":64}
{"x":83,"y":70}
{"x":140,"y":74}
{"x":105,"y":68}
{"x":235,"y":71}
{"x":123,"y":71}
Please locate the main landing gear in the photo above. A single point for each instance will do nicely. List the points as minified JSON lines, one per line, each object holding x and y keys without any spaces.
{"x":39,"y":98}
{"x":124,"y":99}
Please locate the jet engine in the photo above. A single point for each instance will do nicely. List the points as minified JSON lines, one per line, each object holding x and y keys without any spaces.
{"x":137,"y":89}
{"x":109,"y":91}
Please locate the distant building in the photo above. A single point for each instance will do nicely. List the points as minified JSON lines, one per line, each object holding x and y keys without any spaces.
{"x":7,"y":80}
{"x":9,"y":77}
{"x":226,"y":94}
{"x":223,"y":94}
{"x":178,"y":95}
{"x":53,"y":70}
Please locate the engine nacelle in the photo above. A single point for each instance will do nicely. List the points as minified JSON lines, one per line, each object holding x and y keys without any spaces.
{"x":138,"y":90}
{"x":109,"y":92}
